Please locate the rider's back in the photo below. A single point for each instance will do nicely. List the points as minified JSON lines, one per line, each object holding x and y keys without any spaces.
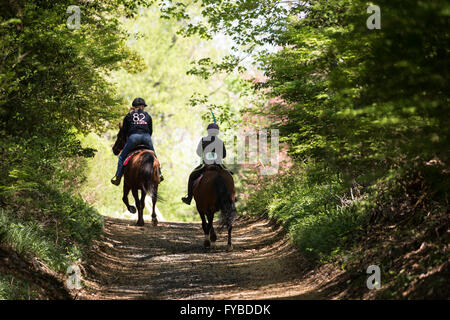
{"x":138,"y":122}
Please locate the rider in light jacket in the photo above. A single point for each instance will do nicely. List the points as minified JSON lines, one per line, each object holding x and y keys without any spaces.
{"x":211,"y":150}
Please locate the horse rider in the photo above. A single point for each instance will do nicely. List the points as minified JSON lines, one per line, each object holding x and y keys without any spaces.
{"x":211,"y":150}
{"x":138,"y":127}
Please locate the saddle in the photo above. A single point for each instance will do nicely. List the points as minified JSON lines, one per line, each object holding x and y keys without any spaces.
{"x":140,"y":147}
{"x":135,"y":151}
{"x":210,"y":167}
{"x":216,"y":167}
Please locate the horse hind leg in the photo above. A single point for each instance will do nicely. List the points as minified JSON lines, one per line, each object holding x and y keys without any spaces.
{"x":207,"y":241}
{"x":202,"y":216}
{"x":126,"y":191}
{"x":205,"y":224}
{"x":229,"y":245}
{"x":154,"y":199}
{"x":142,"y":203}
{"x":213,"y":235}
{"x":230,"y":219}
{"x":209,"y":226}
{"x":140,"y":209}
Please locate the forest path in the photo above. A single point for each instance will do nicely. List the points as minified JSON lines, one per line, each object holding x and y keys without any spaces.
{"x":169,"y":262}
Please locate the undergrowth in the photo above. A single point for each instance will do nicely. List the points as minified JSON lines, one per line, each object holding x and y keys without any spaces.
{"x":47,"y":220}
{"x":319,"y":216}
{"x":400,"y":223}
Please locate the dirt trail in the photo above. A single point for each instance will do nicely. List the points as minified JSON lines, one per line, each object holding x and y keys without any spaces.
{"x":169,"y":262}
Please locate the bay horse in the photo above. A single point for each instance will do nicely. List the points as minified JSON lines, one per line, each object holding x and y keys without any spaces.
{"x":215,"y":191}
{"x":140,"y":173}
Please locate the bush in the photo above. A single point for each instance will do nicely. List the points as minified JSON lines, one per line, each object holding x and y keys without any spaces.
{"x":319,"y":215}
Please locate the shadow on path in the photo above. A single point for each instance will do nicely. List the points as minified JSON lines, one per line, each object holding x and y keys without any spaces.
{"x":169,"y":262}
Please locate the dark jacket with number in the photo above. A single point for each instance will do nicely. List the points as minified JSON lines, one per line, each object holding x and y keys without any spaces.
{"x":138,"y":122}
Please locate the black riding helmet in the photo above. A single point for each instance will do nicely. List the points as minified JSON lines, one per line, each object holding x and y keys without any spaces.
{"x":212,"y":126}
{"x":138,"y":102}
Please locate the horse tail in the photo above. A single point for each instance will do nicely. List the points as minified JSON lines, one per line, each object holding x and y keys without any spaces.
{"x":224,"y":202}
{"x":148,"y":172}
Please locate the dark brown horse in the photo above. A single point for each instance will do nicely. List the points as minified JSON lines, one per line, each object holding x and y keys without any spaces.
{"x":140,"y":173}
{"x":215,"y":192}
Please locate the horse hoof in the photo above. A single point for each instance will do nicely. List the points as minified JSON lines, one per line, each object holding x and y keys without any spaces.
{"x":132,"y":209}
{"x":140,"y":223}
{"x":155,"y":222}
{"x":207,"y":244}
{"x":229,"y":247}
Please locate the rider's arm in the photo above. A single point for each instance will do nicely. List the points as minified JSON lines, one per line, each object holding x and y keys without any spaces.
{"x":224,"y":151}
{"x":126,"y":124}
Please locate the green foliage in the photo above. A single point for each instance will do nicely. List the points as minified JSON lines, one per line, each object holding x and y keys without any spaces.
{"x":361,"y":99}
{"x":55,"y":239}
{"x":245,"y":21}
{"x":14,"y":289}
{"x":364,"y":108}
{"x":54,"y":87}
{"x":319,"y":214}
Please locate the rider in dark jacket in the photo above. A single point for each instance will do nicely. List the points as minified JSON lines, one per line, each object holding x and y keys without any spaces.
{"x":211,"y":150}
{"x":138,"y":127}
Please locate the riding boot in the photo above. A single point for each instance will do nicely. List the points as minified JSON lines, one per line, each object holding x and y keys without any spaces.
{"x":116,"y":180}
{"x":161,"y":177}
{"x":188,"y":199}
